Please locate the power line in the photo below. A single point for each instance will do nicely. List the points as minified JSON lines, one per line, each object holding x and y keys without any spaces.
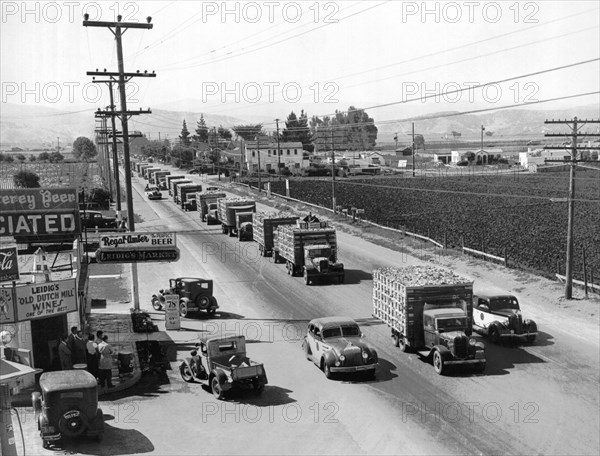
{"x":249,"y":51}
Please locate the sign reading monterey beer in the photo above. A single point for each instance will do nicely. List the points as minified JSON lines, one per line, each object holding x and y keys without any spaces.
{"x":38,"y":211}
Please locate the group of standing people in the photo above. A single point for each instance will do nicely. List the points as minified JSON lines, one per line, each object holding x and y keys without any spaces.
{"x":95,"y":352}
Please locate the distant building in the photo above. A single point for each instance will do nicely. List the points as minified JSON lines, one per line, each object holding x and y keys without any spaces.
{"x":291,"y":156}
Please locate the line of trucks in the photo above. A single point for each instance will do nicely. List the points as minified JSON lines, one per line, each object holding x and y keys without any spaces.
{"x":430,"y":311}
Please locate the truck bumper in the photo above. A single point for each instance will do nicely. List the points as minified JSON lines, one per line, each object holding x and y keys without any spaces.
{"x":465,"y":361}
{"x":511,"y":333}
{"x":361,"y":368}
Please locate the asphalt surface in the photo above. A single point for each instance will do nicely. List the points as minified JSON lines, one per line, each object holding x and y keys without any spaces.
{"x":532,"y":399}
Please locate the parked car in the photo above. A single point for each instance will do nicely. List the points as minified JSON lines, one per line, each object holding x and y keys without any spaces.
{"x":336,"y":345}
{"x":195,"y":294}
{"x":67,"y":406}
{"x":194,"y":171}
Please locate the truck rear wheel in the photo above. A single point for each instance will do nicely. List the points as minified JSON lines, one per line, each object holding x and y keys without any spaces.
{"x":438,"y":362}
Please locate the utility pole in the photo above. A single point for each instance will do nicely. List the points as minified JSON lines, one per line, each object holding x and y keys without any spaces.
{"x":258,"y":152}
{"x":413,"y":149}
{"x":278,"y":151}
{"x":332,"y":172}
{"x":117,"y":29}
{"x":574,"y":125}
{"x":115,"y":156}
{"x":482,"y":130}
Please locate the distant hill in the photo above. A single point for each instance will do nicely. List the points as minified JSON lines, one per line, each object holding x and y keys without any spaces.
{"x":32,"y":126}
{"x":508,"y":123}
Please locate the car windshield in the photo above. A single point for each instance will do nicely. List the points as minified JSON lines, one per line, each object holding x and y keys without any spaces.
{"x":451,"y":324}
{"x":342,"y":331}
{"x":332,"y":332}
{"x":350,"y":330}
{"x":504,"y":302}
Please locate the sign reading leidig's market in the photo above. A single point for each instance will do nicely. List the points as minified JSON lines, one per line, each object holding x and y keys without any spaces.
{"x":137,"y":240}
{"x":47,"y":299}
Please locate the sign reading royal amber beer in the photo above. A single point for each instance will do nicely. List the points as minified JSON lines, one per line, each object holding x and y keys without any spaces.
{"x":137,"y":247}
{"x":137,"y":240}
{"x":30,"y":213}
{"x":39,"y":300}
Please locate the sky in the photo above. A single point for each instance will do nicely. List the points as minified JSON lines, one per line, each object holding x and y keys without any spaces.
{"x":265,"y":59}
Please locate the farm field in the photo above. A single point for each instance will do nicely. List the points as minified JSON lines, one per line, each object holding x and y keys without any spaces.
{"x":79,"y":175}
{"x":503,"y":215}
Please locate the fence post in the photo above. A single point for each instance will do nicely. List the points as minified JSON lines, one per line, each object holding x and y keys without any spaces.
{"x":585,"y":283}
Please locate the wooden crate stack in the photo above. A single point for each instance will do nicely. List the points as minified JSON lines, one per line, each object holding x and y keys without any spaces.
{"x":265,"y":224}
{"x":291,"y":239}
{"x":224,"y":203}
{"x":399,"y":294}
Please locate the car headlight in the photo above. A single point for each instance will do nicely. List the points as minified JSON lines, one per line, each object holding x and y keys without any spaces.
{"x":365,"y":355}
{"x":337,"y":363}
{"x":472,"y":341}
{"x":342,"y":358}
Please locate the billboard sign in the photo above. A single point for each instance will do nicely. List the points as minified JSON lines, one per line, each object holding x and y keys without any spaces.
{"x":29,"y":213}
{"x":46,"y":299}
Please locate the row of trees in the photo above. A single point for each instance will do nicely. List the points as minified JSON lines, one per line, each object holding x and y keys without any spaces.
{"x":51,"y":157}
{"x":352,"y":130}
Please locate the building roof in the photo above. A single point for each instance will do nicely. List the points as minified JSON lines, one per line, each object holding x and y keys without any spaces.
{"x":273,"y":145}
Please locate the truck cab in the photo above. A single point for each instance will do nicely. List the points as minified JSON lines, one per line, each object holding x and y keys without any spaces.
{"x":318,"y":260}
{"x":211,"y":215}
{"x":445,"y":333}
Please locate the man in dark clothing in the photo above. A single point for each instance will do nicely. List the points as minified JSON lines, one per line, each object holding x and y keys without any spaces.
{"x":92,"y":356}
{"x":79,"y":349}
{"x":71,"y":339}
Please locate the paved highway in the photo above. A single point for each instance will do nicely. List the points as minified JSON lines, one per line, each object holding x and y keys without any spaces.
{"x":532,"y":399}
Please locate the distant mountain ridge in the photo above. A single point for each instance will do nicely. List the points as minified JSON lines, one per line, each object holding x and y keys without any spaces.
{"x":33,"y":126}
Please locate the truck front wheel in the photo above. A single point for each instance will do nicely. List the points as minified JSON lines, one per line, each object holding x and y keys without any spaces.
{"x":438,"y":363}
{"x":216,"y":388}
{"x":306,"y":278}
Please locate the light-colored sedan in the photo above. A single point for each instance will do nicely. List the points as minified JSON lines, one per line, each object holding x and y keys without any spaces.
{"x":336,"y":345}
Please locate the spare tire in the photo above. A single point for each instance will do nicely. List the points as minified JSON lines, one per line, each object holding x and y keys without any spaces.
{"x":72,"y":423}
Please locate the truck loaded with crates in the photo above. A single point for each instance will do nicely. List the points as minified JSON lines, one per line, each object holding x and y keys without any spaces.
{"x":169,"y":179}
{"x":176,"y":183}
{"x":429,"y":311}
{"x":227,"y":210}
{"x":204,"y":200}
{"x":147,"y":171}
{"x":158,"y":178}
{"x":264,"y":228}
{"x":309,"y":248}
{"x":183,"y":190}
